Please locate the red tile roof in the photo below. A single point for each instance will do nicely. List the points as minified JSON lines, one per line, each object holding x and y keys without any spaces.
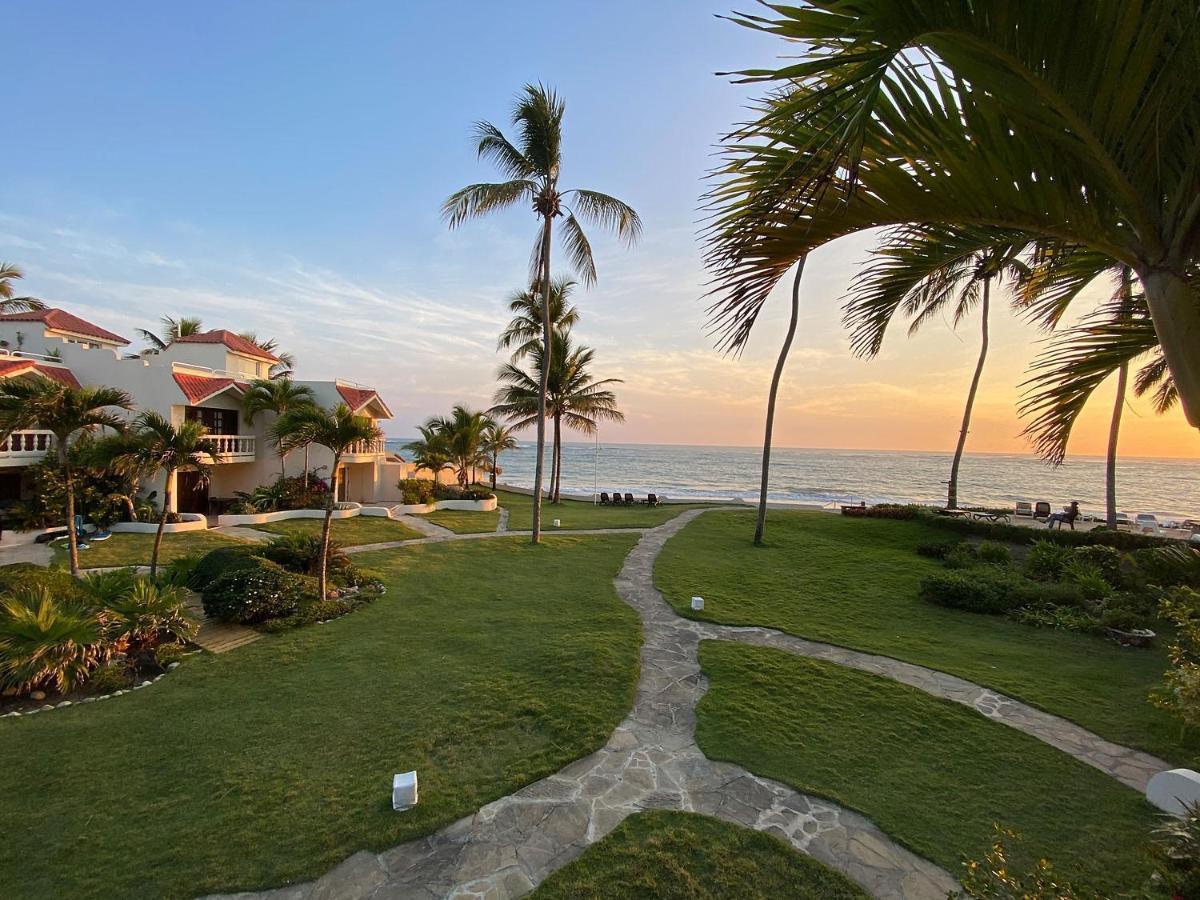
{"x":61,"y":374}
{"x":198,"y":388}
{"x":356,"y":398}
{"x":234,"y":342}
{"x":61,"y":320}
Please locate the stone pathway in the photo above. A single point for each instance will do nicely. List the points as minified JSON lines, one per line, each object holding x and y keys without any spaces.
{"x":423,"y":525}
{"x":243,"y":533}
{"x":35,"y":554}
{"x":502,"y":525}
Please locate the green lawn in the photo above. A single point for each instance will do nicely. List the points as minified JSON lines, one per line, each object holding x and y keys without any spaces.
{"x":684,"y":856}
{"x":464,"y":521}
{"x":126,"y":549}
{"x":487,"y":665}
{"x":854,"y":582}
{"x":577,"y":514}
{"x":933,"y":774}
{"x":347,"y":532}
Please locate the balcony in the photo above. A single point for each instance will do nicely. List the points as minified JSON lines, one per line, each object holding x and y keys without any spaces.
{"x":24,"y":448}
{"x":232,"y":448}
{"x":365,"y":451}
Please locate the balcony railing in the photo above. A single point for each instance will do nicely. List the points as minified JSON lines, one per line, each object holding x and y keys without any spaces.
{"x":234,"y":447}
{"x":21,"y":448}
{"x":367,"y":448}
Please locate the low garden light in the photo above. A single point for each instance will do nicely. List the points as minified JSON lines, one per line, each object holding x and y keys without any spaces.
{"x":697,"y":603}
{"x":404,"y":791}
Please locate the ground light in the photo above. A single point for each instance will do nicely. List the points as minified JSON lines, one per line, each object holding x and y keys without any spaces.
{"x":404,"y":791}
{"x":697,"y":603}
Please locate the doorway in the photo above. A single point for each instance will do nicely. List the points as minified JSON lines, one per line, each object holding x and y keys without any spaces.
{"x":191,"y":493}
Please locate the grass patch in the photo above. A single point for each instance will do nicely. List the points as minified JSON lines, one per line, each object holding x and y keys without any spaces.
{"x":933,"y":774}
{"x":129,"y":549}
{"x":854,"y":582}
{"x":486,"y":666}
{"x":579,"y":514}
{"x":347,"y":532}
{"x":683,"y":856}
{"x":464,"y":521}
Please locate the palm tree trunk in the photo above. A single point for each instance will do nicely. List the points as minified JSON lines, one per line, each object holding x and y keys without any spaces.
{"x":162,"y":521}
{"x":952,"y":491}
{"x":547,"y":350}
{"x":1176,"y":318}
{"x":322,"y":582}
{"x":306,"y":468}
{"x":495,"y":462}
{"x":1114,"y":431}
{"x":556,"y":475}
{"x":761,"y":524}
{"x":69,"y":479}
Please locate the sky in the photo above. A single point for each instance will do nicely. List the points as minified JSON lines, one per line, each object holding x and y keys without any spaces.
{"x":279,"y":167}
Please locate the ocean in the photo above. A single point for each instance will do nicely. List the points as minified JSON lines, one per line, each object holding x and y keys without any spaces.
{"x":1167,"y":487}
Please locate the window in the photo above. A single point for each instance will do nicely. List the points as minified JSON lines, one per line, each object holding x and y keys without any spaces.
{"x":217,"y":421}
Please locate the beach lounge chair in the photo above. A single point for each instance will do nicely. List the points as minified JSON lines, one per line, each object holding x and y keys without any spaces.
{"x":652,"y":500}
{"x":629,"y":501}
{"x":1066,"y":517}
{"x":1146,"y":523}
{"x":604,"y":501}
{"x":1023,"y":508}
{"x":1041,"y":510}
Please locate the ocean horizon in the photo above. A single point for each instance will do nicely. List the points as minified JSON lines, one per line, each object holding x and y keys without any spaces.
{"x":1168,"y":487}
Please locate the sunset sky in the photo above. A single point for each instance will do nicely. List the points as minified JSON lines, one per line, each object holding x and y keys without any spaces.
{"x":279,"y":167}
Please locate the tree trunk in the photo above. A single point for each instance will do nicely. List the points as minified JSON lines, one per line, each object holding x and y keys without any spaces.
{"x":761,"y":524}
{"x":556,"y":476}
{"x":1114,"y":431}
{"x":952,"y":492}
{"x":306,"y":468}
{"x":547,"y":351}
{"x":323,"y":565}
{"x":69,"y":479}
{"x":495,"y":462}
{"x":1176,"y":313}
{"x":162,"y":521}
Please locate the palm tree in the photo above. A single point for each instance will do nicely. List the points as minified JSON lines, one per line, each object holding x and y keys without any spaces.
{"x":160,"y":446}
{"x":287,"y":362}
{"x":338,"y":430}
{"x":524,"y":331}
{"x":574,"y":397}
{"x":461,"y":436}
{"x":903,"y":113}
{"x":8,"y":303}
{"x":920,"y":271}
{"x":496,"y":440}
{"x":532,"y":171}
{"x":66,"y":412}
{"x":276,"y":395}
{"x":430,"y":452}
{"x":173,"y":330}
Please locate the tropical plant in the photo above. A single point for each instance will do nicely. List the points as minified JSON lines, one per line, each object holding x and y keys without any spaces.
{"x":46,"y":641}
{"x":287,"y":362}
{"x":301,"y":553}
{"x":497,"y":439}
{"x":462,"y":436}
{"x":922,"y":271}
{"x":1175,"y":847}
{"x":172,"y":330}
{"x":146,"y":614}
{"x":429,"y":452}
{"x":9,"y":303}
{"x":337,"y":430}
{"x":109,"y":585}
{"x":275,"y":395}
{"x":945,"y":112}
{"x":574,"y":397}
{"x":523,"y":334}
{"x":533,"y":170}
{"x":1180,"y":691}
{"x":64,"y":411}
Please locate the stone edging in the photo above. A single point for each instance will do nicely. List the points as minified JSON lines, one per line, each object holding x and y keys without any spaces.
{"x":63,"y":704}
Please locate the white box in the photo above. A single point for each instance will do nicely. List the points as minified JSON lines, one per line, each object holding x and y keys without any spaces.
{"x":404,"y":791}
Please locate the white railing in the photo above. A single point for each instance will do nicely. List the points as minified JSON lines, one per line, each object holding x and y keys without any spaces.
{"x":234,"y":447}
{"x":367,"y":448}
{"x":23,"y":447}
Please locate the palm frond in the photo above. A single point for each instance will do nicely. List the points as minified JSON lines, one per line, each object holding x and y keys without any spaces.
{"x":492,"y":145}
{"x":476,"y":200}
{"x":1154,"y":378}
{"x":538,"y":114}
{"x":579,"y":250}
{"x":609,"y":213}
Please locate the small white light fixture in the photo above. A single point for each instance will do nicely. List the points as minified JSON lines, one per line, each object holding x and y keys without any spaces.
{"x":697,"y":603}
{"x":404,"y":791}
{"x":558,"y":523}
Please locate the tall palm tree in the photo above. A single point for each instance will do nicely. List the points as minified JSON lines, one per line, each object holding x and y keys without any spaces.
{"x":160,"y":446}
{"x":66,"y":412}
{"x":574,"y":397}
{"x":278,"y":396}
{"x":532,"y":173}
{"x":287,"y":362}
{"x":430,"y":451}
{"x":172,"y":330}
{"x":9,"y":303}
{"x":921,"y":272}
{"x":946,"y":112}
{"x":461,"y":436}
{"x":496,"y":440}
{"x":338,"y":430}
{"x":523,"y":334}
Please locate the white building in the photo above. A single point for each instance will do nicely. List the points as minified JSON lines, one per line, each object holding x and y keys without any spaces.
{"x":201,"y":377}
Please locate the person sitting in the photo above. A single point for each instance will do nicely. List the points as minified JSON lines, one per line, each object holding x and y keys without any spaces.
{"x":1067,"y":516}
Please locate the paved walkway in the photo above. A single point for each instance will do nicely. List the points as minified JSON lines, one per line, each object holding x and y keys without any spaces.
{"x":502,"y":524}
{"x":36,"y":554}
{"x":243,"y":533}
{"x":423,"y":525}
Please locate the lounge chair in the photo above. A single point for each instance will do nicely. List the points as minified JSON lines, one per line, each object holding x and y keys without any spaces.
{"x":1023,"y":508}
{"x":629,"y":501}
{"x":652,"y":500}
{"x":604,"y":501}
{"x":1066,"y":517}
{"x":1041,"y":510}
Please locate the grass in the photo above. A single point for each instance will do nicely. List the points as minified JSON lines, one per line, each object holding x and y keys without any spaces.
{"x":684,"y":856}
{"x":578,"y":514}
{"x":129,"y":549}
{"x":464,"y":521}
{"x":347,"y":532}
{"x":486,"y":666}
{"x":933,"y":774}
{"x":854,"y":582}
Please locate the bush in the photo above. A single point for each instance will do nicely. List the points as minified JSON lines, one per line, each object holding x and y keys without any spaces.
{"x":46,"y":641}
{"x":975,"y":591}
{"x":1180,"y":692}
{"x":147,"y":614}
{"x":60,"y":583}
{"x":995,"y":877}
{"x":1047,"y":560}
{"x":936,"y":549}
{"x":108,"y":587}
{"x":215,"y":563}
{"x":892,"y":511}
{"x":1106,"y":560}
{"x":290,"y":492}
{"x":414,"y":490}
{"x":994,"y":553}
{"x":1088,"y":579}
{"x":1066,"y":618}
{"x":317,"y":611}
{"x":1175,"y":847}
{"x":962,"y":556}
{"x":178,"y":572}
{"x":256,"y":592}
{"x":454,"y":492}
{"x":1019,"y":534}
{"x":165,"y":654}
{"x":302,"y":554}
{"x":363,"y":578}
{"x":114,"y":676}
{"x":1175,"y":566}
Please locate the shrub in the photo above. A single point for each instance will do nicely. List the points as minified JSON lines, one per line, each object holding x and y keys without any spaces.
{"x":302,"y":553}
{"x":995,"y":553}
{"x":414,"y":490}
{"x":1047,"y":560}
{"x":892,"y":511}
{"x":1066,"y":618}
{"x":1020,"y":534}
{"x":178,"y":572}
{"x":109,"y":678}
{"x":1180,"y":691}
{"x":108,"y":587}
{"x":962,"y":556}
{"x":995,"y":877}
{"x":317,"y":611}
{"x":46,"y":641}
{"x":148,"y":613}
{"x":165,"y":654}
{"x":1091,"y":583}
{"x":363,"y":578}
{"x":975,"y":591}
{"x":1106,"y":560}
{"x":1175,"y":566}
{"x":1175,"y":847}
{"x":60,"y":583}
{"x":218,"y":562}
{"x":290,"y":492}
{"x":254,"y":593}
{"x":454,"y":492}
{"x":936,"y":549}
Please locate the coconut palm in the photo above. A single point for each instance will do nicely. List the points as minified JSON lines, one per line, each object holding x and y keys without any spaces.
{"x":276,"y":395}
{"x":944,"y":112}
{"x":496,"y":440}
{"x":532,"y":171}
{"x":9,"y":303}
{"x":65,"y":412}
{"x":172,"y":330}
{"x":574,"y":398}
{"x":461,"y":436}
{"x":287,"y":362}
{"x":430,"y":451}
{"x":924,"y":271}
{"x":524,"y":331}
{"x":338,"y":430}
